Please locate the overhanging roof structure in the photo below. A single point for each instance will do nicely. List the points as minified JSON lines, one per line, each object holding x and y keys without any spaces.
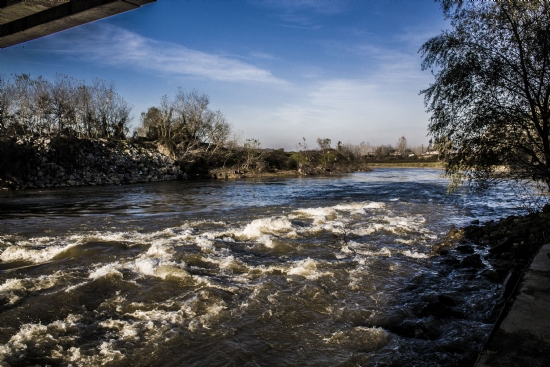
{"x":25,"y":20}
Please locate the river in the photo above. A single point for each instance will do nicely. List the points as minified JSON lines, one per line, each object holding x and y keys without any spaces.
{"x":324,"y":271}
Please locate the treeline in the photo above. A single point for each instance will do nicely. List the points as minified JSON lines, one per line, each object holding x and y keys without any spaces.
{"x":367,"y":151}
{"x":53,"y":120}
{"x":37,"y":107}
{"x":398,"y":151}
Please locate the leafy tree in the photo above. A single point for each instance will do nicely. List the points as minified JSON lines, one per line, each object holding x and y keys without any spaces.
{"x":490,"y":99}
{"x":383,"y":150}
{"x":324,"y":144}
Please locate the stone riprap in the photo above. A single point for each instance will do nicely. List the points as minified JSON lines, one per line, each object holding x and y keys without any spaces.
{"x":93,"y":162}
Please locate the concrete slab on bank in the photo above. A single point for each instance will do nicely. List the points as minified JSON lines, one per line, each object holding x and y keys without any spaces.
{"x":523,"y":337}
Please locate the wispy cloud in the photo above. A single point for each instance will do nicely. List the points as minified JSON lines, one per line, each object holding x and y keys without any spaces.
{"x":41,"y":63}
{"x":304,"y":14}
{"x":263,"y":55}
{"x":355,"y":110}
{"x":119,"y":47}
{"x":321,"y":7}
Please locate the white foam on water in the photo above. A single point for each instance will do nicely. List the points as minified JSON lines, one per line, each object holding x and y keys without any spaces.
{"x":158,"y":268}
{"x":307,"y":268}
{"x":365,"y":337}
{"x":111,"y":269}
{"x":29,"y":284}
{"x":16,"y":289}
{"x":334,"y":226}
{"x":357,"y":275}
{"x":160,"y":250}
{"x":146,"y":266}
{"x":35,"y":253}
{"x":206,"y":245}
{"x":358,"y":208}
{"x":368,"y":230}
{"x":411,"y":223}
{"x":45,"y":339}
{"x":231,"y":264}
{"x":144,"y":326}
{"x":71,"y":287}
{"x":172,"y":271}
{"x":271,"y":225}
{"x":415,"y":255}
{"x":375,"y":205}
{"x":316,"y":212}
{"x":107,"y":353}
{"x":383,"y":252}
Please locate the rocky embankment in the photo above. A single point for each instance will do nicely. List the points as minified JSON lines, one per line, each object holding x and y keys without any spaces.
{"x":92,"y":162}
{"x":497,"y":253}
{"x":508,"y":245}
{"x":65,"y":162}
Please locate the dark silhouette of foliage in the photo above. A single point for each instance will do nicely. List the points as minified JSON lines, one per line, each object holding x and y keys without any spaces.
{"x":490,"y":99}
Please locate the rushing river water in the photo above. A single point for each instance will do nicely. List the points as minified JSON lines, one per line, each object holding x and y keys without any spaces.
{"x":270,"y":272}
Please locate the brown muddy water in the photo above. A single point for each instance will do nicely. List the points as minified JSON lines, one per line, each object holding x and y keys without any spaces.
{"x":328,"y":271}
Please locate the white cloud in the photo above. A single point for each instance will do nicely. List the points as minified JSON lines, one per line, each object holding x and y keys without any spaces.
{"x":304,"y":14}
{"x":378,"y":105}
{"x":349,"y":110}
{"x":263,"y":55}
{"x":315,"y":6}
{"x":119,"y":47}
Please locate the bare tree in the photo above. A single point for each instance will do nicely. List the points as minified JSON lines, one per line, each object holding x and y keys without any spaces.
{"x":401,"y":145}
{"x":63,"y":104}
{"x":303,"y":147}
{"x":5,"y":105}
{"x":185,"y":125}
{"x":219,"y":130}
{"x":252,"y":153}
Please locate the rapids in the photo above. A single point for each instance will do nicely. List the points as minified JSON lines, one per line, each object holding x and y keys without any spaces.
{"x":268,"y":272}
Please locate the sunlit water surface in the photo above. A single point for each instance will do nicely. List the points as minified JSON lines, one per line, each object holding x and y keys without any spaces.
{"x":271,"y":272}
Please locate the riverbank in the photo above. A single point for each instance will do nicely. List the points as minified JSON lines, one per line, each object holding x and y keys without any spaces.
{"x":63,"y":162}
{"x":406,"y":165}
{"x":514,"y":249}
{"x":74,"y":162}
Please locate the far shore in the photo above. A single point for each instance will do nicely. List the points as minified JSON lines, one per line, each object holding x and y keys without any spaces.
{"x":406,"y":165}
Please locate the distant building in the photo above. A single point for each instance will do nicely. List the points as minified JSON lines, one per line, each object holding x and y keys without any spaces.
{"x":431,"y":152}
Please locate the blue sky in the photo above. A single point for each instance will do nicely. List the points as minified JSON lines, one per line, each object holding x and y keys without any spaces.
{"x":278,"y":70}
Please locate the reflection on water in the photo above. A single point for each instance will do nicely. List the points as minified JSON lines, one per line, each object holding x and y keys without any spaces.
{"x":300,"y":271}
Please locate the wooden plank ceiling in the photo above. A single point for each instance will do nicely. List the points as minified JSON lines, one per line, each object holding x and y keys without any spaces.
{"x":25,"y":20}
